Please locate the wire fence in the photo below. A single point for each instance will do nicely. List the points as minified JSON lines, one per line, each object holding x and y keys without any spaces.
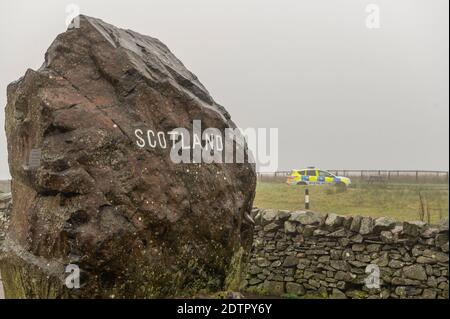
{"x":372,"y":176}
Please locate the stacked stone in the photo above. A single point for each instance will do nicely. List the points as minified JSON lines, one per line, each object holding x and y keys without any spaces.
{"x":5,"y":207}
{"x":306,"y":253}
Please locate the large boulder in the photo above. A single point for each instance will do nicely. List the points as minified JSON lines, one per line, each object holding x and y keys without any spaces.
{"x":135,"y":222}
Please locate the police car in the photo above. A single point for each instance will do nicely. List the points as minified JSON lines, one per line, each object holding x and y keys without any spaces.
{"x":315,"y":176}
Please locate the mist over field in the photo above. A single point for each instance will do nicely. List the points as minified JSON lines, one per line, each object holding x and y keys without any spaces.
{"x":342,"y":95}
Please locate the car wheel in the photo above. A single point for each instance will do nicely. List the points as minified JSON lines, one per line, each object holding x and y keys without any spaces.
{"x":302,"y":183}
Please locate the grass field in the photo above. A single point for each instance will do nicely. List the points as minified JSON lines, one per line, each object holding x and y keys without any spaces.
{"x":400,"y":201}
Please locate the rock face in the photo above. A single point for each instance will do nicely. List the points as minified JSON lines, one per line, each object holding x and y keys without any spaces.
{"x":135,"y":223}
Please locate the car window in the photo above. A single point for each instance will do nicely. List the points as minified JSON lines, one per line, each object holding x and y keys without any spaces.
{"x":301,"y":172}
{"x":325,"y":174}
{"x":311,"y":172}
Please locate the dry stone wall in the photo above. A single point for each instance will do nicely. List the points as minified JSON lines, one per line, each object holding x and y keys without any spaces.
{"x":5,"y":208}
{"x":304,"y":253}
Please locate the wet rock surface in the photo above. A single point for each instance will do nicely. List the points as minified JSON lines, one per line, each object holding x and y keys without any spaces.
{"x":136,"y":223}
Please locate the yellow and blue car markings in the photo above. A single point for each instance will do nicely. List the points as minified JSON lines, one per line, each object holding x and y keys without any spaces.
{"x":301,"y":177}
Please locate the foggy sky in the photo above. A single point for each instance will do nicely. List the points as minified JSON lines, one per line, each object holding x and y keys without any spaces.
{"x":342,"y":95}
